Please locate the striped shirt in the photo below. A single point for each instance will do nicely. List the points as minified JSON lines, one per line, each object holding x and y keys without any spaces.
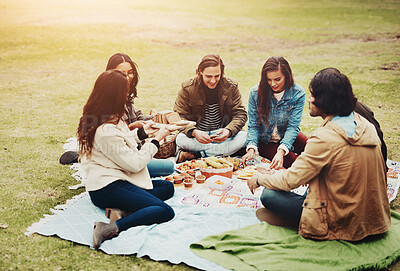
{"x":212,"y":117}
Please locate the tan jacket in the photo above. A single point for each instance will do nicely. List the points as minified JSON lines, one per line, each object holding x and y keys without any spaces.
{"x":115,"y":156}
{"x":347,"y":197}
{"x":191,"y":103}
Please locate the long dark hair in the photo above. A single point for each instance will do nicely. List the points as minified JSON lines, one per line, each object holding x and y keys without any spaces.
{"x":119,"y":58}
{"x":274,"y":63}
{"x":106,"y":103}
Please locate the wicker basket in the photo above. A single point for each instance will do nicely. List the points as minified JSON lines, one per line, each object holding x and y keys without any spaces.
{"x":167,"y":147}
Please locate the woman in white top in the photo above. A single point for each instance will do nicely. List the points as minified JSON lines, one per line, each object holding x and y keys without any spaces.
{"x":117,"y":174}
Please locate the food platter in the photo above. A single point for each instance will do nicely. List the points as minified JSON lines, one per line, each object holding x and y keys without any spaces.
{"x":247,"y":173}
{"x":188,"y":165}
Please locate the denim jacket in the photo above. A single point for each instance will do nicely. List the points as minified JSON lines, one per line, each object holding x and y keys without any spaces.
{"x":286,"y":114}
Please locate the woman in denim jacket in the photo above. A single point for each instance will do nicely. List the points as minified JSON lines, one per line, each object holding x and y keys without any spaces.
{"x":275,"y":111}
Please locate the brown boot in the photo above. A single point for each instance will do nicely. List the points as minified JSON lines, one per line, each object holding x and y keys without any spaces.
{"x":263,"y":214}
{"x":114,"y":214}
{"x":183,"y":156}
{"x":103,"y":231}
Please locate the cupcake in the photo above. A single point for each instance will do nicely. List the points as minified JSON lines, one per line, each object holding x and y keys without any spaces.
{"x":178,"y":179}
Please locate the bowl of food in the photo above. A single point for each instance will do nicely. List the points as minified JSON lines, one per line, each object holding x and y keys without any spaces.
{"x":200,"y":178}
{"x":188,"y":182}
{"x":216,"y":166}
{"x":191,"y":172}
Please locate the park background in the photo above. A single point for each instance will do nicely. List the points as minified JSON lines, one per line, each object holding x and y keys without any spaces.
{"x":51,"y":52}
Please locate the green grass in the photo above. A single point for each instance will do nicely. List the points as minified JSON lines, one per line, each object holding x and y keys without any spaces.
{"x":51,"y":52}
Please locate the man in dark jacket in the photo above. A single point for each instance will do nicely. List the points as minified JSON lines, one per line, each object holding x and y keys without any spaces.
{"x":214,"y":102}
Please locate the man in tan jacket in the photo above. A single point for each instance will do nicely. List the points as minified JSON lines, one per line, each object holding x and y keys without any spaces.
{"x":343,"y":164}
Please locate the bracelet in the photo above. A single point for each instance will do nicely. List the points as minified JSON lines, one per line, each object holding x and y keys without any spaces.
{"x":258,"y":182}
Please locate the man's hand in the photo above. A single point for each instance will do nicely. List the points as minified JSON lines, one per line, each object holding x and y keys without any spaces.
{"x":136,"y":124}
{"x":277,"y":161}
{"x":221,"y":135}
{"x":201,"y":136}
{"x":248,"y":156}
{"x":252,"y":183}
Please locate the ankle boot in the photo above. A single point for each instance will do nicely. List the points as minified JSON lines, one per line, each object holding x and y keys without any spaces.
{"x":114,"y":214}
{"x":183,"y":156}
{"x":103,"y":231}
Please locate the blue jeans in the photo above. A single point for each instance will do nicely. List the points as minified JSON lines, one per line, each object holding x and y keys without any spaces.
{"x":227,"y":147}
{"x":286,"y":204}
{"x":160,"y":167}
{"x":146,"y":206}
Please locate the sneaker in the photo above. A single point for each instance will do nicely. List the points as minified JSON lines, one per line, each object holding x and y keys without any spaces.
{"x":69,"y":157}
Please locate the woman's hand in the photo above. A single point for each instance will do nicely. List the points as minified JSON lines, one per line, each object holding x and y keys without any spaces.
{"x":148,"y":128}
{"x":162,"y":133}
{"x":277,"y":161}
{"x":201,"y":136}
{"x":248,"y":156}
{"x":221,"y":135}
{"x":136,"y":124}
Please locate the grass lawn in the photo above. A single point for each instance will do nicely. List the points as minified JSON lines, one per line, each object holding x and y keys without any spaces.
{"x":51,"y":52}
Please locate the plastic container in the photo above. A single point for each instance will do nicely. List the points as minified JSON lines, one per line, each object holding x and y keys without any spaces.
{"x":218,"y":182}
{"x":188,"y":182}
{"x":200,"y":178}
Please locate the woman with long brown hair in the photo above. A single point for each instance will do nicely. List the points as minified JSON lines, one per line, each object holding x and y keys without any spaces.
{"x":275,"y":110}
{"x":117,"y":174}
{"x":132,"y":115}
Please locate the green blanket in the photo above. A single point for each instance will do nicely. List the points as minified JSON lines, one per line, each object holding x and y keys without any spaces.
{"x":265,"y":247}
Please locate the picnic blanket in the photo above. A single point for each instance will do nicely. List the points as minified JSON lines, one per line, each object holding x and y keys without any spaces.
{"x":199,"y":213}
{"x":266,"y":247}
{"x":168,"y":241}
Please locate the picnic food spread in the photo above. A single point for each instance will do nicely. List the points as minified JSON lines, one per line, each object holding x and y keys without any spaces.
{"x":214,"y":162}
{"x":219,"y":169}
{"x":188,"y":165}
{"x":247,"y":172}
